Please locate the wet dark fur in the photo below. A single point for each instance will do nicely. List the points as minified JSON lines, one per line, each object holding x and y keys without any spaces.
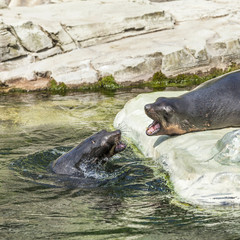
{"x":95,"y":149}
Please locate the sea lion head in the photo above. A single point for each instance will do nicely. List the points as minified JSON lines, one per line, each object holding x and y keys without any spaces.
{"x":104,"y":145}
{"x":94,"y":150}
{"x":167,"y":117}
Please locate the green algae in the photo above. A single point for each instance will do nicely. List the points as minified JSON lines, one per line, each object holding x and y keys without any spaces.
{"x":159,"y":82}
{"x":108,"y":82}
{"x":57,"y":88}
{"x":186,"y":80}
{"x":17,"y":90}
{"x":104,"y":84}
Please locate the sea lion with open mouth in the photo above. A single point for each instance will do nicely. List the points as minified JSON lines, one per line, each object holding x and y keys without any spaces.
{"x":96,"y":149}
{"x":214,"y":104}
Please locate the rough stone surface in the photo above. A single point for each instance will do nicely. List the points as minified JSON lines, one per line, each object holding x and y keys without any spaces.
{"x":32,"y":37}
{"x":130,"y":40}
{"x":17,"y":3}
{"x":94,"y":33}
{"x":203,"y":166}
{"x":184,"y":58}
{"x":4,"y":3}
{"x":10,"y":48}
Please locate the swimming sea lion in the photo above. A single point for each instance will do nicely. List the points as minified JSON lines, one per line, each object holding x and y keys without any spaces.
{"x":214,"y":104}
{"x":93,"y":150}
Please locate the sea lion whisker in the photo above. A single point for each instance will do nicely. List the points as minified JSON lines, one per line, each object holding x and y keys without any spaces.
{"x":122,"y":126}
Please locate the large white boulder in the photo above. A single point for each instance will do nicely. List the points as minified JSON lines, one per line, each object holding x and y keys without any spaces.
{"x":204,"y":167}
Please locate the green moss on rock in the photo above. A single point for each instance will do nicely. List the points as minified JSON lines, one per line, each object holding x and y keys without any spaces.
{"x":17,"y":90}
{"x":159,"y":80}
{"x":57,"y":88}
{"x":108,"y":82}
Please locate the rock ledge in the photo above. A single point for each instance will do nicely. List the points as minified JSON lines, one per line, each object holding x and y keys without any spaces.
{"x":130,"y":40}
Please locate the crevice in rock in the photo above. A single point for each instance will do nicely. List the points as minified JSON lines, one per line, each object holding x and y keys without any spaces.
{"x":99,"y":75}
{"x":35,"y":38}
{"x":178,"y":22}
{"x":14,"y":58}
{"x":132,"y":36}
{"x":51,"y":36}
{"x":101,"y":39}
{"x":64,"y":27}
{"x":214,"y":17}
{"x":44,"y":74}
{"x":134,"y":29}
{"x":13,"y":32}
{"x":94,"y":33}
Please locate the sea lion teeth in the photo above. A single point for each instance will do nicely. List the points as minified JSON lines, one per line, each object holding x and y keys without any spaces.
{"x":153,"y":128}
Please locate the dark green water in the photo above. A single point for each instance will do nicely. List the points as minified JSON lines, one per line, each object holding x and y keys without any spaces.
{"x":130,"y":201}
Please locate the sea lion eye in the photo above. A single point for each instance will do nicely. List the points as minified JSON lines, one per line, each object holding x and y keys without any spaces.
{"x":93,"y":142}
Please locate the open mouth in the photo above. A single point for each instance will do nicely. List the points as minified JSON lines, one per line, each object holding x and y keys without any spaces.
{"x":120,"y":146}
{"x":153,"y":128}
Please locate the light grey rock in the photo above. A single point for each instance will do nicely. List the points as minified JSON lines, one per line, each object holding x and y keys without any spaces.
{"x":20,"y":3}
{"x":141,"y":1}
{"x":4,"y":3}
{"x":46,"y":54}
{"x":32,"y":37}
{"x":130,"y":40}
{"x":184,"y":59}
{"x":162,"y":0}
{"x":95,"y":33}
{"x":225,"y":48}
{"x":9,"y":45}
{"x":134,"y":71}
{"x":187,"y":10}
{"x":80,"y":74}
{"x":65,"y":40}
{"x":225,"y":1}
{"x":129,"y":69}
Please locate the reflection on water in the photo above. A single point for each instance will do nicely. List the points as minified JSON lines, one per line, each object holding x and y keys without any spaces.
{"x":131,"y":200}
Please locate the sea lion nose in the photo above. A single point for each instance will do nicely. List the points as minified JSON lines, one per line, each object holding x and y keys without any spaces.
{"x":118,"y":132}
{"x":147,"y":107}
